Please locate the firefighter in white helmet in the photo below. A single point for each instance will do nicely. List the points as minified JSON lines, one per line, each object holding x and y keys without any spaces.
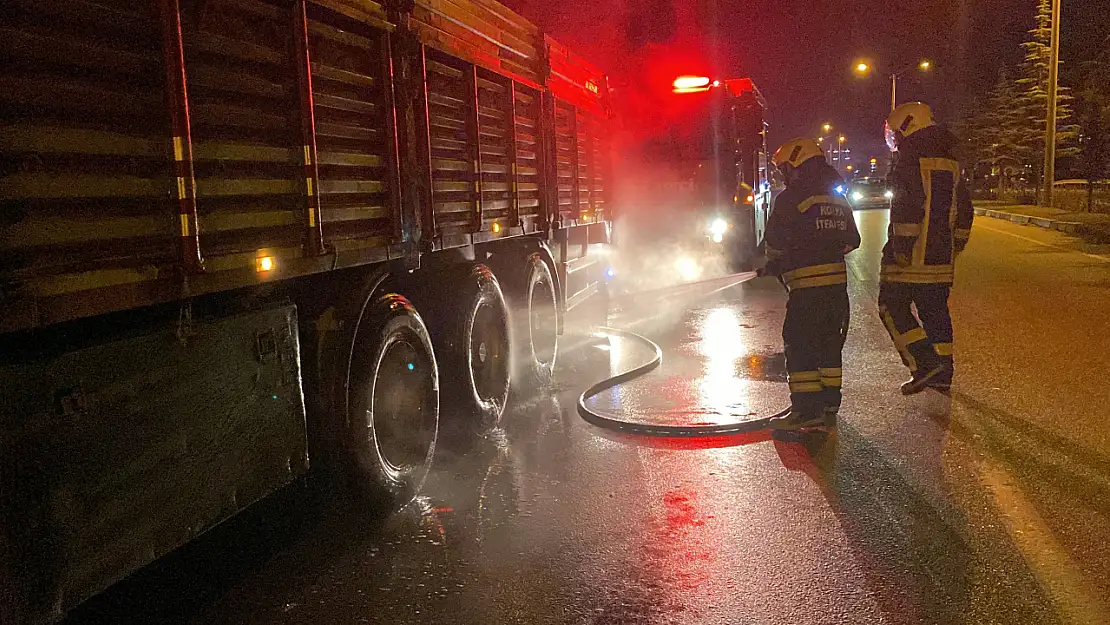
{"x":930,"y":222}
{"x":810,"y":230}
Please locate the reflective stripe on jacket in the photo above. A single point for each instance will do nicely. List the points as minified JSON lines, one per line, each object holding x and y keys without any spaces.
{"x":810,"y":230}
{"x":930,"y":214}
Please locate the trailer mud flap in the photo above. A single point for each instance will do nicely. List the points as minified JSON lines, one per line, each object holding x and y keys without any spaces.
{"x":113,"y":455}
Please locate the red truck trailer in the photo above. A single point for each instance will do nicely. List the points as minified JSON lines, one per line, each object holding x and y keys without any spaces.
{"x":240,"y":237}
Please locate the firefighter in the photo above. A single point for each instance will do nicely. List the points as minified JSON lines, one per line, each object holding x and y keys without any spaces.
{"x":930,"y":222}
{"x":810,"y":230}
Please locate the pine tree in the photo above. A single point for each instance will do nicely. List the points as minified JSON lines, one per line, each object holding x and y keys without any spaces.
{"x":1093,"y":106}
{"x":993,"y":131}
{"x":1033,"y":97}
{"x":971,"y":153}
{"x":1001,"y":128}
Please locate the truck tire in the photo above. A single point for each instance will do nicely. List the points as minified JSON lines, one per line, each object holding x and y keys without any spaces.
{"x":535,"y":326}
{"x":392,"y":403}
{"x":472,"y":343}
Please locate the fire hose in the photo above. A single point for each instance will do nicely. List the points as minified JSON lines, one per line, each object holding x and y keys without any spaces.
{"x":697,"y":430}
{"x":694,"y":430}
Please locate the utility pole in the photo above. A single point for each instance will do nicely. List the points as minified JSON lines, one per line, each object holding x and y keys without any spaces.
{"x":839,"y":152}
{"x":1049,"y":176}
{"x":893,"y":105}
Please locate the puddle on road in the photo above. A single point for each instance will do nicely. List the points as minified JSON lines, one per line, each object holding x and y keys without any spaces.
{"x":762,"y":367}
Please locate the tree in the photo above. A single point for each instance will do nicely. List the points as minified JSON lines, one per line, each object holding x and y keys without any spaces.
{"x":997,"y":130}
{"x":971,"y":153}
{"x":1033,"y":101}
{"x":1093,"y":107}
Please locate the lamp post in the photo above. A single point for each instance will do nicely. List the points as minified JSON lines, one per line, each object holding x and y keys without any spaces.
{"x":863,"y":68}
{"x":839,"y":151}
{"x":826,"y":127}
{"x":923,"y":66}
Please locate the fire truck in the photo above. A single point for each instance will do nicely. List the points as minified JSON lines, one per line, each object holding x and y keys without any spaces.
{"x":242,"y":237}
{"x":699,"y":169}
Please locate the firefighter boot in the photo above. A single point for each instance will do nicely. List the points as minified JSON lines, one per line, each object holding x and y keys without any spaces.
{"x":797,"y":419}
{"x":943,"y":382}
{"x":934,"y":376}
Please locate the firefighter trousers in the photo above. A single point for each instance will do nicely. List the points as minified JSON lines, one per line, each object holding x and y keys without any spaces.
{"x":923,"y":340}
{"x":813,"y":336}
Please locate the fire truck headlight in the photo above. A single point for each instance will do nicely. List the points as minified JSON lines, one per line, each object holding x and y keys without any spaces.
{"x":718,"y":228}
{"x":687,"y":268}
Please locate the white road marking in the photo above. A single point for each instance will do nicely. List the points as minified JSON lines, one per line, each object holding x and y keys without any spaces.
{"x":1048,"y":560}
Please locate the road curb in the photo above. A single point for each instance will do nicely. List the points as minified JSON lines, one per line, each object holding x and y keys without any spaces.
{"x":1067,"y":227}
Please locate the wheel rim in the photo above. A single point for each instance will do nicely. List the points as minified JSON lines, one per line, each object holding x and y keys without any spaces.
{"x":488,"y":353}
{"x":402,"y":404}
{"x":541,"y":322}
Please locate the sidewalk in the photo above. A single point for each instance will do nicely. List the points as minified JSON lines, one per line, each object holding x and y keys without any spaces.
{"x":1094,"y":227}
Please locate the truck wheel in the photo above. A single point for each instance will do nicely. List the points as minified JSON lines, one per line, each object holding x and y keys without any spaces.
{"x":393,"y":403}
{"x":536,"y":328}
{"x":473,"y":346}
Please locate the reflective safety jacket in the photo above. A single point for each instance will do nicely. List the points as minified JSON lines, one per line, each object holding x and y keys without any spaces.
{"x":810,"y":229}
{"x":931,"y":212}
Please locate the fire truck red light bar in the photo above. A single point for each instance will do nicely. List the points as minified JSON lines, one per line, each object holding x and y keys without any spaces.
{"x":691,"y":82}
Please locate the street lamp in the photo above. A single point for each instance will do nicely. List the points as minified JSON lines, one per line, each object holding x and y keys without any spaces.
{"x":821,"y":143}
{"x":863,"y":68}
{"x":826,"y":127}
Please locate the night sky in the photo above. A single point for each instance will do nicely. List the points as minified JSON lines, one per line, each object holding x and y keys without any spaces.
{"x":799,"y":52}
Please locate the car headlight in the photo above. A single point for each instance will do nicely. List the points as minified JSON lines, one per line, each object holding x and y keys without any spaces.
{"x":718,"y":227}
{"x":888,"y":194}
{"x":857,"y":196}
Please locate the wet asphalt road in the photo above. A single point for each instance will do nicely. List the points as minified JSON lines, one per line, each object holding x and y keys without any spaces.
{"x":992,"y":507}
